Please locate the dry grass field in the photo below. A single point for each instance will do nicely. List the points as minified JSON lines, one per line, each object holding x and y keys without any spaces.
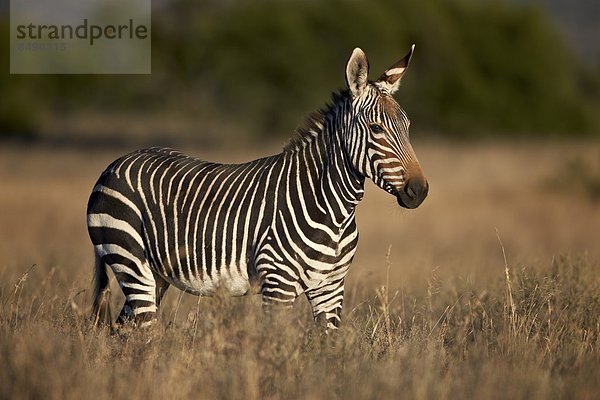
{"x":433,"y":308}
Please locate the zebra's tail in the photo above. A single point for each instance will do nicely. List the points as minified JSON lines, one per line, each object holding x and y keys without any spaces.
{"x":101,"y":313}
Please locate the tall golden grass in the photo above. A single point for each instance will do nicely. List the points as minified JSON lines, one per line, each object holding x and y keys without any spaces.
{"x":489,"y":290}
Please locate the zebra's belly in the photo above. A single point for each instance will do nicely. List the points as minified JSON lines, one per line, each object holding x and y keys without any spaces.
{"x":227,"y":280}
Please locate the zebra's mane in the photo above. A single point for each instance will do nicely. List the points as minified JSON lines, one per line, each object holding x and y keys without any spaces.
{"x":314,"y":123}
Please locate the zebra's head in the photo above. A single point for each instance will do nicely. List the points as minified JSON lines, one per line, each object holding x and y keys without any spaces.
{"x":377,"y":137}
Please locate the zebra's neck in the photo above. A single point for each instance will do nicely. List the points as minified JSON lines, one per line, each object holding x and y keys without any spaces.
{"x":348,"y":184}
{"x":318,"y":148}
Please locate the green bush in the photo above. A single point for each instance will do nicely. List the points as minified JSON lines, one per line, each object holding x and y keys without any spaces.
{"x":480,"y":68}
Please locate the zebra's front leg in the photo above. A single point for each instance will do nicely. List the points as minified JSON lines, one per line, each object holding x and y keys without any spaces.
{"x":277,"y":292}
{"x":326,"y":301}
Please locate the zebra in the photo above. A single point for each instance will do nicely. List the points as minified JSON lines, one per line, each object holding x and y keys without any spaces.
{"x":278,"y":226}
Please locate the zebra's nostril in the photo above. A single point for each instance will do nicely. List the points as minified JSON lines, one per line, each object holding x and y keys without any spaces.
{"x":411,"y":191}
{"x":416,"y":190}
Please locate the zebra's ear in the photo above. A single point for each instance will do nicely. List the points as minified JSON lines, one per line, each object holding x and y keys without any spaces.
{"x":357,"y":72}
{"x":390,"y":79}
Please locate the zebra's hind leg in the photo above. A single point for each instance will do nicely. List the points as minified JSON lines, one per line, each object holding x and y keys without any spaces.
{"x":140,"y":290}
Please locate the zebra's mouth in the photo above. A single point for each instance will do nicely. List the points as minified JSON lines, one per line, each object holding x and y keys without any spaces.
{"x":408,"y":196}
{"x":401,"y":202}
{"x":397,"y":194}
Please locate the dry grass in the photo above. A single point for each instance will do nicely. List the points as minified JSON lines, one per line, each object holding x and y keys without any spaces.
{"x":442,"y":315}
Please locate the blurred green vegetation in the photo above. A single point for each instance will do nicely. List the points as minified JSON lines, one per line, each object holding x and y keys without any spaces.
{"x":480,"y":68}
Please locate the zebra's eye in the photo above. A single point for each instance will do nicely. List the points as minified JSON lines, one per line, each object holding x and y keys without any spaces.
{"x":376,"y":128}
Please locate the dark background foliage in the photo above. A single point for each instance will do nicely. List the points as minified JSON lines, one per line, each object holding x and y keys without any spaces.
{"x":480,"y":68}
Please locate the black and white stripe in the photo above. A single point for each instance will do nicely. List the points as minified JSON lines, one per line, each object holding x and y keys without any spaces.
{"x":281,"y":225}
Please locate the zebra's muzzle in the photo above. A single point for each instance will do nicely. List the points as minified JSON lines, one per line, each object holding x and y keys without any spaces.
{"x":413,"y":194}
